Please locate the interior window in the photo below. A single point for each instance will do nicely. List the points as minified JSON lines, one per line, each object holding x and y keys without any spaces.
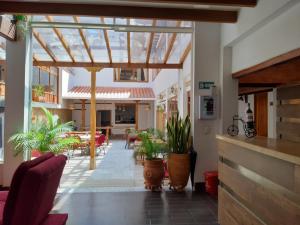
{"x":131,"y":75}
{"x":125,"y":114}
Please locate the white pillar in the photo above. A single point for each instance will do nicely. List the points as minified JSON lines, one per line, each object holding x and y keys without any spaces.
{"x":229,"y":90}
{"x":17,"y":99}
{"x":205,"y":67}
{"x":182,"y":95}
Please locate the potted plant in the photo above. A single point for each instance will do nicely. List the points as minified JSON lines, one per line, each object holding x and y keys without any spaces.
{"x":153,"y":150}
{"x":179,"y":142}
{"x":46,"y":135}
{"x":38,"y":94}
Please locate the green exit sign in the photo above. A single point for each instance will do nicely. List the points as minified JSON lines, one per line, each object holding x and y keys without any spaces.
{"x":206,"y":84}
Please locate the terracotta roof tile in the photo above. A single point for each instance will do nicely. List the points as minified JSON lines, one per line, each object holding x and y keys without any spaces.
{"x":112,"y":93}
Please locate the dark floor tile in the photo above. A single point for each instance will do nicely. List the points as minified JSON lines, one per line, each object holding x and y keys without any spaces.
{"x":138,"y":208}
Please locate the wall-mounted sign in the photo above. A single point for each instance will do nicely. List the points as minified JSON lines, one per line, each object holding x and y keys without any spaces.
{"x":206,"y":84}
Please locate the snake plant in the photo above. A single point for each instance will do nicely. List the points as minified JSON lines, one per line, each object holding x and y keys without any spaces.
{"x":179,"y":134}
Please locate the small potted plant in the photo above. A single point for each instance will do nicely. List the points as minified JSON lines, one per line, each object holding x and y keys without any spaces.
{"x":153,"y":150}
{"x":46,"y":135}
{"x":38,"y":94}
{"x":179,"y":142}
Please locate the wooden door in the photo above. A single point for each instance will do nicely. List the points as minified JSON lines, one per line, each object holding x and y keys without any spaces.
{"x":261,"y":113}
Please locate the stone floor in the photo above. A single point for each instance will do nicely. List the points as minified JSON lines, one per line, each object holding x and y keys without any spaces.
{"x":137,"y":208}
{"x":115,"y":169}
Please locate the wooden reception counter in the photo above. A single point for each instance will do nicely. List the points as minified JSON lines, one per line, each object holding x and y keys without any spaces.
{"x":259,"y":181}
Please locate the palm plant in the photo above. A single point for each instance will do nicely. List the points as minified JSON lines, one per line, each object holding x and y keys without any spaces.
{"x":44,"y":136}
{"x":179,"y":134}
{"x":150,"y":148}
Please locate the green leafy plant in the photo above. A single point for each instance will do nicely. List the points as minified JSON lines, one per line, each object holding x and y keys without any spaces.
{"x":39,"y":90}
{"x":44,"y":136}
{"x":179,"y":134}
{"x":151,"y":148}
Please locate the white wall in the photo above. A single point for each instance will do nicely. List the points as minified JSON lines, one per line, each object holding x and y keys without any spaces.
{"x":280,"y":36}
{"x":206,"y":67}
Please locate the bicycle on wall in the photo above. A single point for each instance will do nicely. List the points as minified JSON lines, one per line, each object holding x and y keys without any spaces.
{"x":249,"y":127}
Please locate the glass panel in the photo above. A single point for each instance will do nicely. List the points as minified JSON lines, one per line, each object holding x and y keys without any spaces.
{"x":39,"y":52}
{"x":53,"y":84}
{"x":166,"y":23}
{"x":133,"y":75}
{"x":141,"y":22}
{"x":63,"y":19}
{"x":53,"y":43}
{"x":181,"y":43}
{"x":118,"y":44}
{"x":44,"y":78}
{"x":139,"y":45}
{"x":96,"y":41}
{"x":74,"y":41}
{"x":159,"y":48}
{"x":35,"y":75}
{"x":38,"y":18}
{"x":88,"y":19}
{"x":125,"y":114}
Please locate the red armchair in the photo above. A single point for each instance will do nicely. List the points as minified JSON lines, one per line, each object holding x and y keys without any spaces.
{"x":32,"y":192}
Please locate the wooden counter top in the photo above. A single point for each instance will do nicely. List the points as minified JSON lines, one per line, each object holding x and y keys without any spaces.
{"x":281,"y":149}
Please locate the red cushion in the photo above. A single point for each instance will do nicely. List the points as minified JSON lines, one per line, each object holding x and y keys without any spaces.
{"x":55,"y":219}
{"x":15,"y":186}
{"x":38,"y":191}
{"x":1,"y":212}
{"x":3,"y":196}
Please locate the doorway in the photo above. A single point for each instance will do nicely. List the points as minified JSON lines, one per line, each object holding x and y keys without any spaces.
{"x":103,"y":118}
{"x":261,"y":113}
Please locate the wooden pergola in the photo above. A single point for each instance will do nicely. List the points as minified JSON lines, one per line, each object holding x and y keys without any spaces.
{"x":74,"y":41}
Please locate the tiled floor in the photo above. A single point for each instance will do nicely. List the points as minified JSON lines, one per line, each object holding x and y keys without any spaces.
{"x":138,"y":208}
{"x":115,"y":169}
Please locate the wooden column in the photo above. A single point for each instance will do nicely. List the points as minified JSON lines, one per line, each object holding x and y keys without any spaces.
{"x":83,"y":109}
{"x":137,"y":115}
{"x":93,"y":71}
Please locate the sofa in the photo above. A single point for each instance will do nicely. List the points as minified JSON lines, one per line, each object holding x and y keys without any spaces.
{"x":32,"y":192}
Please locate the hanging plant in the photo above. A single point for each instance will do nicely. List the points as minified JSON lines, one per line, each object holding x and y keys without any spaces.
{"x":21,"y":23}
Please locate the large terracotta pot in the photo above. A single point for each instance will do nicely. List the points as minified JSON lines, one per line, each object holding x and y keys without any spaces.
{"x":153,"y":174}
{"x":179,"y":170}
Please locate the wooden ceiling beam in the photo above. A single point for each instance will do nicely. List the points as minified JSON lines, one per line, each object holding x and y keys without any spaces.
{"x":107,"y":42}
{"x":186,"y":52}
{"x":109,"y":65}
{"x":150,"y":43}
{"x":171,"y":44}
{"x":62,"y":40}
{"x":44,"y":45}
{"x":128,"y":43}
{"x":142,"y":12}
{"x":84,"y":41}
{"x":237,"y":3}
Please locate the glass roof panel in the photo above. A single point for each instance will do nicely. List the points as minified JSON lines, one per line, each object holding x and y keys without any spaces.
{"x":96,"y":41}
{"x":63,"y":19}
{"x":88,"y":19}
{"x":74,"y":41}
{"x":53,"y":43}
{"x":181,"y":43}
{"x":138,"y":46}
{"x":159,"y":48}
{"x":141,"y":22}
{"x":118,"y":44}
{"x":39,"y":52}
{"x":39,"y":18}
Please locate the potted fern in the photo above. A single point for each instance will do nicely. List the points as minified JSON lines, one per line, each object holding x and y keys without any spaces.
{"x":38,"y":94}
{"x":46,"y":135}
{"x":153,"y":150}
{"x":179,"y":142}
